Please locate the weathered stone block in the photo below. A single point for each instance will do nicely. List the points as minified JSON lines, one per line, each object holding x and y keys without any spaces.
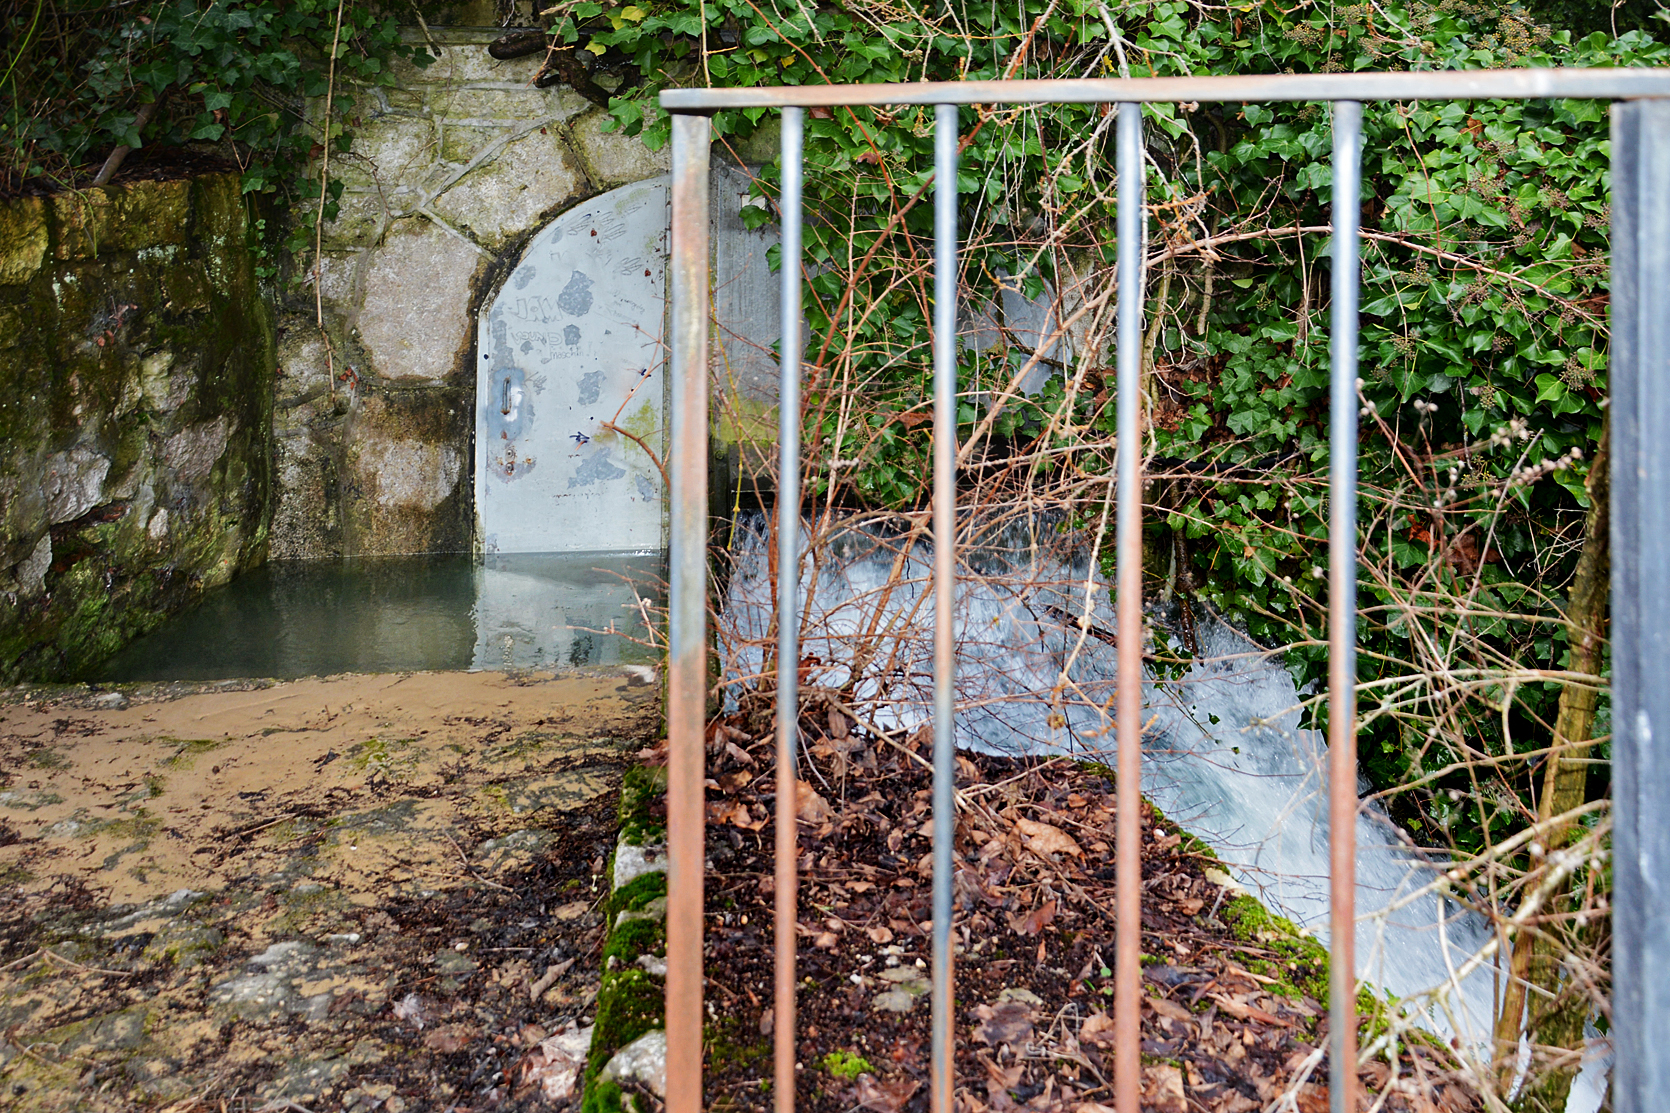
{"x":122,"y":218}
{"x":507,"y":193}
{"x":23,"y":240}
{"x":73,"y":483}
{"x":135,"y":413}
{"x":407,"y":493}
{"x":360,"y":215}
{"x":388,"y":149}
{"x":613,"y":159}
{"x":414,"y":320}
{"x":461,"y":142}
{"x":509,"y":103}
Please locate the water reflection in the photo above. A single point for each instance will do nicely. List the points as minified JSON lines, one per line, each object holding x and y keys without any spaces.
{"x":398,"y":614}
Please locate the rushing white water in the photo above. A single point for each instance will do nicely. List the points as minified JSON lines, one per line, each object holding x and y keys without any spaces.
{"x":1224,"y":752}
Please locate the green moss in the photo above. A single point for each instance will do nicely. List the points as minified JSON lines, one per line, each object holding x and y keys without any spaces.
{"x":629,"y":1003}
{"x":732,"y":1043}
{"x":1303,"y":967}
{"x":638,"y":892}
{"x":634,"y":938}
{"x":640,"y":788}
{"x":846,"y":1065}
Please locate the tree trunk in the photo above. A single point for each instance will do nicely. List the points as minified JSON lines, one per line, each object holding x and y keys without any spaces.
{"x":1555,"y":1021}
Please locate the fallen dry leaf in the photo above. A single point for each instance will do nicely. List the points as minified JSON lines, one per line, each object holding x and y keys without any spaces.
{"x":879,"y":935}
{"x":999,"y":1081}
{"x":1035,"y":921}
{"x":414,"y":1010}
{"x":573,"y":910}
{"x":809,"y":806}
{"x":1240,"y":1008}
{"x":1169,"y":1008}
{"x":735,"y":813}
{"x":449,"y":1038}
{"x":1162,"y":1089}
{"x":554,"y":1065}
{"x":1041,"y":838}
{"x":733,"y":782}
{"x":1097,"y":1029}
{"x":1010,"y":1023}
{"x":883,"y":1097}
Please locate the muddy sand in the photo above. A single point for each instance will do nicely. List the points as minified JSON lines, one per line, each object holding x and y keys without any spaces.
{"x":372,"y":892}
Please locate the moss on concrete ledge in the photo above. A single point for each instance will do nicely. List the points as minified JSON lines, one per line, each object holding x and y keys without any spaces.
{"x":631,"y":1000}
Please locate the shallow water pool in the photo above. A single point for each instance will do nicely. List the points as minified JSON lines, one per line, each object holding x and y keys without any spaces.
{"x":399,"y":614}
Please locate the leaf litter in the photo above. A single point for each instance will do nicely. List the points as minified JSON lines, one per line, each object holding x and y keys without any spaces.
{"x":1227,"y":1023}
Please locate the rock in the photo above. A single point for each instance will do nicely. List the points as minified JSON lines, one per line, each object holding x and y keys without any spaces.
{"x":412,"y":473}
{"x":22,"y":240}
{"x":73,"y":482}
{"x":414,"y":318}
{"x":654,"y":910}
{"x":194,"y":450}
{"x":632,"y":862}
{"x":643,"y":1061}
{"x":509,"y":190}
{"x":31,"y":572}
{"x":612,"y":158}
{"x":909,"y":983}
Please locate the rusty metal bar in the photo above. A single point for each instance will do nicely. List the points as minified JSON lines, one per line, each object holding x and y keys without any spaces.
{"x":788,"y":616}
{"x":1641,"y":938}
{"x":1597,"y":84}
{"x":687,"y":613}
{"x":1127,"y":944}
{"x":943,"y":1078}
{"x":1342,"y":614}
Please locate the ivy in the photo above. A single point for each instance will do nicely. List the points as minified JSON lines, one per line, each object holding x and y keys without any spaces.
{"x":1484,"y":342}
{"x":233,"y":77}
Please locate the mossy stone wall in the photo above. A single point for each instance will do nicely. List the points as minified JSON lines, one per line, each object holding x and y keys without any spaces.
{"x":136,"y":398}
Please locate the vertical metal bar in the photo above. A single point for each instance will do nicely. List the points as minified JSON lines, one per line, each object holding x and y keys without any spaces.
{"x":1342,"y":615}
{"x":1640,"y":604}
{"x":1127,"y":997}
{"x":788,"y":613}
{"x":945,"y":542}
{"x":687,"y":614}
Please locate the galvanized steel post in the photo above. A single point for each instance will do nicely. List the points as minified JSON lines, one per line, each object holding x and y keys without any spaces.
{"x":788,"y":616}
{"x":1127,"y":945}
{"x":687,"y":613}
{"x":945,"y":556}
{"x":1342,"y":613}
{"x":1640,"y":477}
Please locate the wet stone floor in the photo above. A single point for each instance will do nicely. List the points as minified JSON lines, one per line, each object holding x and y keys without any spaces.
{"x":364,"y":892}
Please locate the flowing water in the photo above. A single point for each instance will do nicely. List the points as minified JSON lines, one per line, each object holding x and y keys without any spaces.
{"x":1224,"y":752}
{"x":400,"y":614}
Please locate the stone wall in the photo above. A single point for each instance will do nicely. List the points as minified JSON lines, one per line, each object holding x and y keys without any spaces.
{"x":136,"y":370}
{"x":451,"y":174}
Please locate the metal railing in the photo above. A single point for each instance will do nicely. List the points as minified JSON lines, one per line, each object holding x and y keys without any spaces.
{"x":1640,"y":383}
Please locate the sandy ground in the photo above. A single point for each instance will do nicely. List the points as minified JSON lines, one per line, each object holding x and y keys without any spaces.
{"x":336,"y":893}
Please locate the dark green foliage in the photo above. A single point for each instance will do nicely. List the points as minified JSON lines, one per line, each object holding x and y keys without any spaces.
{"x":1484,"y":305}
{"x":233,"y":76}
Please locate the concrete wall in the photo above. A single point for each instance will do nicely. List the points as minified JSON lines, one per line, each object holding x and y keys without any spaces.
{"x":451,"y":175}
{"x":136,"y":370}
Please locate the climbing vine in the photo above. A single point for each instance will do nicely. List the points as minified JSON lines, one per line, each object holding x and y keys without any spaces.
{"x":225,"y":78}
{"x":1484,"y":306}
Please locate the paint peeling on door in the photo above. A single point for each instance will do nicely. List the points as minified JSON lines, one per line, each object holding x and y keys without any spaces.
{"x":571,"y":352}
